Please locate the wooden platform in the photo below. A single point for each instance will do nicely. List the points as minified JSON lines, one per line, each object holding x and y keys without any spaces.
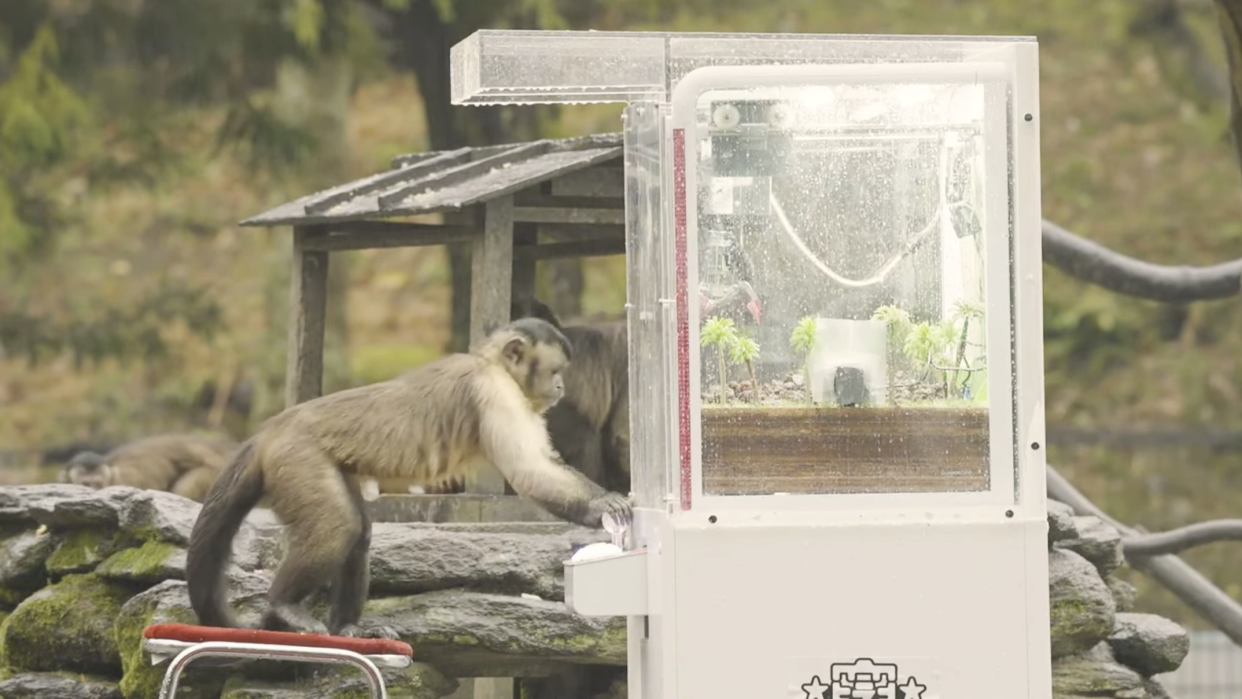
{"x":456,"y":508}
{"x":758,"y":451}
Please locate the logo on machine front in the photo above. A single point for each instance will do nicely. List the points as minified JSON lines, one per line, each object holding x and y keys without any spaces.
{"x":863,"y":679}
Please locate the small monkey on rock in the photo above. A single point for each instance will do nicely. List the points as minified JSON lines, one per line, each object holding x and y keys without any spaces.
{"x":185,"y":464}
{"x":435,"y":423}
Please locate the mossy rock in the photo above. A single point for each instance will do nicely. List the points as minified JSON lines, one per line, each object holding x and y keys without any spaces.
{"x":1124,"y":593}
{"x":242,"y":687}
{"x":1096,"y":674}
{"x":81,"y":550}
{"x":474,"y":634}
{"x":1081,"y":605}
{"x":149,"y":564}
{"x":57,"y":685}
{"x":10,"y":597}
{"x":418,"y":681}
{"x":66,"y":626}
{"x":23,"y":558}
{"x":165,"y":603}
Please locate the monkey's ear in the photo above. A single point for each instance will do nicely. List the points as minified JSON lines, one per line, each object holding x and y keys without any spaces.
{"x":519,"y":307}
{"x":63,"y":476}
{"x":515,"y":349}
{"x":530,"y":307}
{"x":543,"y":311}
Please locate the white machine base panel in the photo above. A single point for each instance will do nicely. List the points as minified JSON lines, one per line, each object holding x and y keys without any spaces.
{"x":913,"y":611}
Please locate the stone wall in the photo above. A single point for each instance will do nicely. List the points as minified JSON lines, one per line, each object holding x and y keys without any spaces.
{"x":1100,"y":646}
{"x":83,"y":572}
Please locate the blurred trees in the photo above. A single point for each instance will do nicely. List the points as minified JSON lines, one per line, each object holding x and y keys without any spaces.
{"x":99,"y":94}
{"x":420,"y":34}
{"x":96,"y":94}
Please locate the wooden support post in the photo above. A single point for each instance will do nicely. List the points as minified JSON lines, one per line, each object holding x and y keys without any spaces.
{"x":525,"y":237}
{"x":308,"y":299}
{"x":491,"y":280}
{"x":485,"y":688}
{"x":494,"y":688}
{"x":491,"y":269}
{"x":524,"y":234}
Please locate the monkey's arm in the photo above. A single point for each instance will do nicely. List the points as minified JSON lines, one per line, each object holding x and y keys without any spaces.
{"x":524,"y":456}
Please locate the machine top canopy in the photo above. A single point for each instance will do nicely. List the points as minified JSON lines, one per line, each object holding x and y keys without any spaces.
{"x":508,"y":66}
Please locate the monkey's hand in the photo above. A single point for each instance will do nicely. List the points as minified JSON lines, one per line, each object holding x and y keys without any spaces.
{"x":614,"y":504}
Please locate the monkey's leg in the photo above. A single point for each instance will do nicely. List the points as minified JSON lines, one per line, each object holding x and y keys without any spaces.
{"x":323,"y":527}
{"x":448,"y":487}
{"x":349,"y":590}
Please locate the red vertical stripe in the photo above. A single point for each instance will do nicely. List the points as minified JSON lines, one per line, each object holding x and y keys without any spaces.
{"x":683,"y":312}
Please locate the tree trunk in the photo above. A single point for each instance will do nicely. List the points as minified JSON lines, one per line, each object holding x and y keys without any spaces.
{"x":423,"y":46}
{"x":1230,"y":14}
{"x":1182,"y":55}
{"x":316,"y":97}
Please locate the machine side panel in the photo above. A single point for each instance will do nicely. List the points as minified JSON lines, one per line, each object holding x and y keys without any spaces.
{"x":951,"y":606}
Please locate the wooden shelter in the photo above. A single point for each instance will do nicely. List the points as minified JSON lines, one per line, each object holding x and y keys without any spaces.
{"x":515,"y":204}
{"x":507,"y":201}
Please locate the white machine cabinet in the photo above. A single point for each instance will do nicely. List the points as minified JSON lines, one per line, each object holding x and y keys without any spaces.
{"x":836,"y":365}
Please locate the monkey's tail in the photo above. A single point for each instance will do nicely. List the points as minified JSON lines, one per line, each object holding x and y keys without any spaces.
{"x":234,"y":494}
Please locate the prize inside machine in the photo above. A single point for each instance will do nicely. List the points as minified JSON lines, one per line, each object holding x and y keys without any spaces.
{"x":836,"y":237}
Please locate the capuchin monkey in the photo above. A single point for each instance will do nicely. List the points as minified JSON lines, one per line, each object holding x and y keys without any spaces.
{"x":185,"y":464}
{"x":440,"y":421}
{"x":590,"y":426}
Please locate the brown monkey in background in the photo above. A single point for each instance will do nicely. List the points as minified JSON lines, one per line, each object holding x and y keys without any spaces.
{"x":590,"y":426}
{"x":437,"y":422}
{"x":185,"y":464}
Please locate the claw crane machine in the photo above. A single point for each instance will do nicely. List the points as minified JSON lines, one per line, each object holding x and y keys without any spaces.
{"x":833,"y":498}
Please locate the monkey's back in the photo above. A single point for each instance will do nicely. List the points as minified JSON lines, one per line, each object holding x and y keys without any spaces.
{"x":422,"y":425}
{"x":156,"y":462}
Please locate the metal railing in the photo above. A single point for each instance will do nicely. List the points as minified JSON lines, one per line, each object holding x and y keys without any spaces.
{"x":1212,"y":669}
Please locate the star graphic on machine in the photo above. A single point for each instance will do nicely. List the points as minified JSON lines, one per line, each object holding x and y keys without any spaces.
{"x":863,"y":679}
{"x":815,"y":689}
{"x":911,"y":689}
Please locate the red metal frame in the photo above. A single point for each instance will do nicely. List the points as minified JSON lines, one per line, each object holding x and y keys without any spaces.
{"x":683,"y":314}
{"x":189,"y":633}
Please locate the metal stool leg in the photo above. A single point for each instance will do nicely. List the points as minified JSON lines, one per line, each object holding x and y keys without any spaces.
{"x":271,"y":652}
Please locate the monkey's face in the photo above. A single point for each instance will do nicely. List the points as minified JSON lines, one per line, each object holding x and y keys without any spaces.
{"x":89,"y":470}
{"x":539,"y":368}
{"x":91,"y":477}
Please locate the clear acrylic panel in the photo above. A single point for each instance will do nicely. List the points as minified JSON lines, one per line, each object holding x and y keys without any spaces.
{"x":651,"y":329}
{"x":517,"y":66}
{"x":859,"y":233}
{"x":843,"y":339}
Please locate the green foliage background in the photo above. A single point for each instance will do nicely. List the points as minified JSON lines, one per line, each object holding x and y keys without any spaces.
{"x":134,"y":134}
